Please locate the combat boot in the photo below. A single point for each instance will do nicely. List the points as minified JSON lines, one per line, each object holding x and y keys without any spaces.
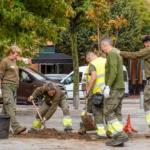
{"x":68,"y":129}
{"x":100,"y":137}
{"x":33,"y":130}
{"x":19,"y":130}
{"x":117,"y":142}
{"x":82,"y":129}
{"x":147,"y":135}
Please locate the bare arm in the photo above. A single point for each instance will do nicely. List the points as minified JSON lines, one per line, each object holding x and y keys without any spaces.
{"x":91,"y":82}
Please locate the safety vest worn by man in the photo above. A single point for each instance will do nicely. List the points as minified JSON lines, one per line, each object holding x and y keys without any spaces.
{"x":99,"y":64}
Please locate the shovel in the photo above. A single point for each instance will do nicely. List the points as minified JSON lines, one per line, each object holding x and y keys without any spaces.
{"x":87,"y":118}
{"x":39,"y":114}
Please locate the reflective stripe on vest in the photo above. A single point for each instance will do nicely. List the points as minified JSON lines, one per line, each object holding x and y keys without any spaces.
{"x":97,"y":86}
{"x":100,"y":130}
{"x":148,"y":117}
{"x":99,"y":64}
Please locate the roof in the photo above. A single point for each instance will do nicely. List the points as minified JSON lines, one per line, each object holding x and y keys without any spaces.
{"x":49,"y":54}
{"x":58,"y":58}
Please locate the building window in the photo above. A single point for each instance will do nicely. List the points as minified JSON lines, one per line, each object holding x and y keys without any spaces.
{"x":55,"y":68}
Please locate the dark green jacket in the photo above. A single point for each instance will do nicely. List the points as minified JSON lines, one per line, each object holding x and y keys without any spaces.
{"x":53,"y":102}
{"x":142,"y":54}
{"x":114,"y":70}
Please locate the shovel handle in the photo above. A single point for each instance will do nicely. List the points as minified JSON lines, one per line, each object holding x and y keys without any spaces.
{"x":38,"y":113}
{"x":86,"y":100}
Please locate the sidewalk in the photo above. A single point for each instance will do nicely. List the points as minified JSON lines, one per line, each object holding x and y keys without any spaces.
{"x":54,"y":144}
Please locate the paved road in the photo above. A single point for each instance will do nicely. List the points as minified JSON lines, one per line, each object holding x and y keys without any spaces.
{"x":25,"y":115}
{"x":53,"y":144}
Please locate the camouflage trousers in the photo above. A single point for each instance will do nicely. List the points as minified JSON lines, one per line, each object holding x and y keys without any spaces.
{"x":147,"y":97}
{"x":96,"y":111}
{"x":113,"y":105}
{"x":112,"y":110}
{"x":44,"y":108}
{"x":147,"y":102}
{"x":9,"y":104}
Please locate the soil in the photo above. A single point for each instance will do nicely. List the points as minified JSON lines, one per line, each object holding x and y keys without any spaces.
{"x":53,"y":133}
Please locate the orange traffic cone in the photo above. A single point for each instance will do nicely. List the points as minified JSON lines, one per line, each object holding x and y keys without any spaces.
{"x":128,"y":128}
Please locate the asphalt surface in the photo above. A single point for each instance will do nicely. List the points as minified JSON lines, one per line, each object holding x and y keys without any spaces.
{"x":26,"y":113}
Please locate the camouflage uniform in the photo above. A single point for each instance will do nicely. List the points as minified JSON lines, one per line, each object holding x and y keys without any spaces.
{"x":145,"y":55}
{"x":9,"y":82}
{"x":113,"y":104}
{"x":50,"y":104}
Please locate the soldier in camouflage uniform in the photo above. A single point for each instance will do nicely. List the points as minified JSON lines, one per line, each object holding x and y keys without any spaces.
{"x":145,"y":55}
{"x":53,"y":97}
{"x":9,"y":77}
{"x":113,"y":93}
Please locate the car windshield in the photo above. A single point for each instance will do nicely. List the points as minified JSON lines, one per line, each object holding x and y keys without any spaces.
{"x":37,"y":75}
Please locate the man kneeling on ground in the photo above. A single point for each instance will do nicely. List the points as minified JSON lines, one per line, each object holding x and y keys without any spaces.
{"x":53,"y":97}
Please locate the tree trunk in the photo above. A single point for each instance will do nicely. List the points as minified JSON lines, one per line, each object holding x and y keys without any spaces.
{"x":76,"y":70}
{"x":98,"y":37}
{"x":117,"y":35}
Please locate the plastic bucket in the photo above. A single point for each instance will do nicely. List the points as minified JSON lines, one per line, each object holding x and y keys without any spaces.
{"x":4,"y":126}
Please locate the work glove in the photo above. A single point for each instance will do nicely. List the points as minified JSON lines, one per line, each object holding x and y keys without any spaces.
{"x":26,"y":61}
{"x":106,"y":91}
{"x":30,"y":99}
{"x":118,"y":51}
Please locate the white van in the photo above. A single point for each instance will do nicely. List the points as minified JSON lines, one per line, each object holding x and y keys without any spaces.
{"x":68,"y":82}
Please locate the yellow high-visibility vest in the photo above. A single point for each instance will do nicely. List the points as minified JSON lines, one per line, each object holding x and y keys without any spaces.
{"x":99,"y":64}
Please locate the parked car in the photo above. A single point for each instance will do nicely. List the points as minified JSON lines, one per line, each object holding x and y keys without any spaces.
{"x":56,"y":77}
{"x":29,"y":81}
{"x":68,"y":82}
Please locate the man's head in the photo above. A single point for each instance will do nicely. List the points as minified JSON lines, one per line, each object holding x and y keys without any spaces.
{"x":51,"y":90}
{"x":90,"y":56}
{"x":146,"y":41}
{"x":106,"y":45}
{"x":13,"y":52}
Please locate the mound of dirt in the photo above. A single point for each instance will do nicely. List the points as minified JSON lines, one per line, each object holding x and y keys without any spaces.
{"x":53,"y":133}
